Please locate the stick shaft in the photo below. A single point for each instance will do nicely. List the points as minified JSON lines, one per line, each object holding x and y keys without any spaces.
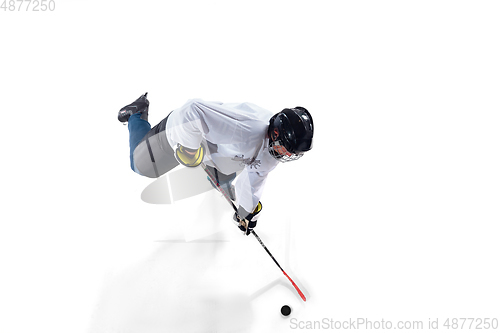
{"x":265,"y":248}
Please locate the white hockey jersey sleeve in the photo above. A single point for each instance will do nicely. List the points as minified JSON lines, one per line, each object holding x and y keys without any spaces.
{"x":249,"y":188}
{"x":197,"y":120}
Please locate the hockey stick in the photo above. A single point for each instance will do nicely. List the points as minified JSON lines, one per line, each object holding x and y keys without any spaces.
{"x":216,"y":183}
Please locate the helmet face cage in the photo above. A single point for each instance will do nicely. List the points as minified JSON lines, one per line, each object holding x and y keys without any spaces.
{"x":282,"y":157}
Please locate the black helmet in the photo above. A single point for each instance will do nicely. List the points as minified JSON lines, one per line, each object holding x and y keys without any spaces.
{"x":292,"y":129}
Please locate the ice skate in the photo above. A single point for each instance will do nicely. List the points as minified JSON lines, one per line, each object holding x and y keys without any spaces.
{"x":140,"y":105}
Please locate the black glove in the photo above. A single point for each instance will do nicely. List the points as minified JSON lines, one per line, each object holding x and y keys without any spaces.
{"x":247,"y":221}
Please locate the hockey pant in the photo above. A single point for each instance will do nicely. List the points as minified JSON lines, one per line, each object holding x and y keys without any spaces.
{"x":152,"y":155}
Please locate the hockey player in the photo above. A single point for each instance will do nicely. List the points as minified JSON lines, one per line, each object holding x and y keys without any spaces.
{"x":228,"y":138}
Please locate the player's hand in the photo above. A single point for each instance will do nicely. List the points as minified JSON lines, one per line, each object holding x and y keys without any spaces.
{"x":249,"y":222}
{"x":245,"y":225}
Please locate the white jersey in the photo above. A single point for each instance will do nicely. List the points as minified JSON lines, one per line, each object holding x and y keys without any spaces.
{"x":235,"y":135}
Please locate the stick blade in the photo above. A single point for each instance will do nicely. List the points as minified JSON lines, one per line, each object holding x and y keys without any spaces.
{"x":296,"y":288}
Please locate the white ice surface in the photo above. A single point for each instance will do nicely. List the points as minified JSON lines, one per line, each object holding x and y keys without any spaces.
{"x":393,"y":215}
{"x":201,"y":281}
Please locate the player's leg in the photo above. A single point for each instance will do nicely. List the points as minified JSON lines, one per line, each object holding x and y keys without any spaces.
{"x":136,"y":113}
{"x":150,"y":153}
{"x":138,"y":129}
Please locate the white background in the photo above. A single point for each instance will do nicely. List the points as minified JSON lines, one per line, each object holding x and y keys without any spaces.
{"x":393,"y":215}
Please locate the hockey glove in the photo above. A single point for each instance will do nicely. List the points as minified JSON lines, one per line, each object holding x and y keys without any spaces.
{"x":249,"y":222}
{"x":189,"y":157}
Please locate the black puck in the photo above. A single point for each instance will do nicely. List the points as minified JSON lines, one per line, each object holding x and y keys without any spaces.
{"x":286,"y":310}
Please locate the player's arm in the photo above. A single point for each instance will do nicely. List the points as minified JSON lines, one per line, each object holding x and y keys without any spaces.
{"x":249,"y":188}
